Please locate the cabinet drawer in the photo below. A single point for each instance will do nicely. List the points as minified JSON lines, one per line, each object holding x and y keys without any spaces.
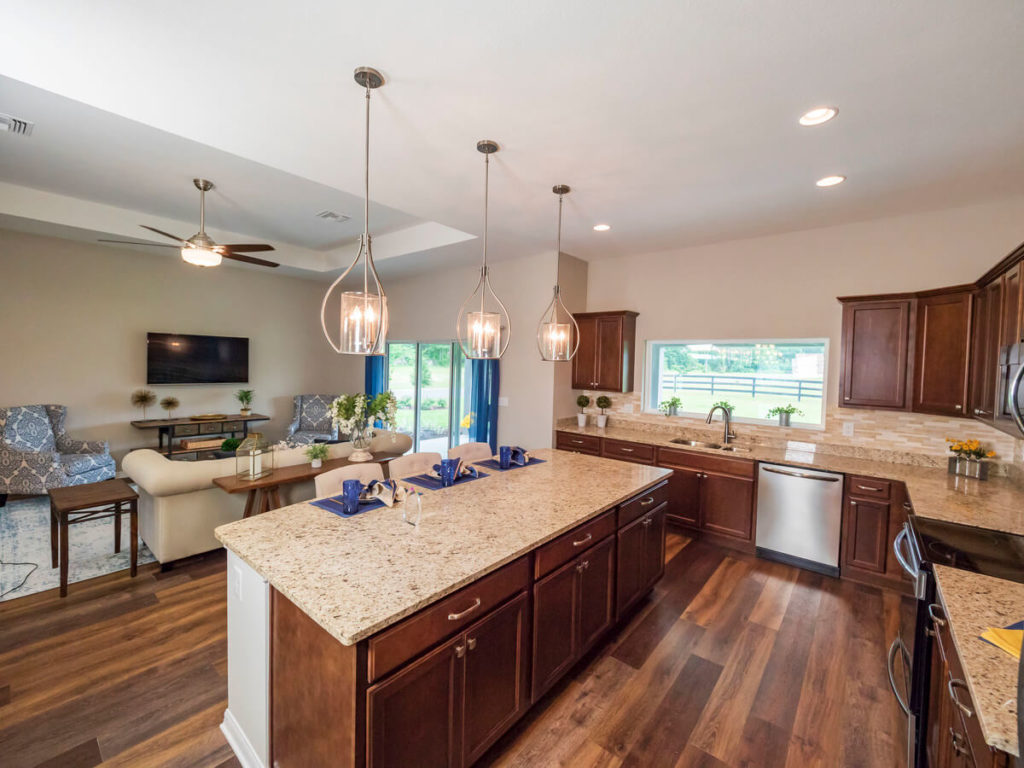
{"x":868,"y":487}
{"x":619,"y":449}
{"x":553,"y":554}
{"x":396,"y":645}
{"x":185,"y":430}
{"x":233,"y":426}
{"x":642,"y":504}
{"x":210,"y":428}
{"x":673,"y":457}
{"x":569,"y":441}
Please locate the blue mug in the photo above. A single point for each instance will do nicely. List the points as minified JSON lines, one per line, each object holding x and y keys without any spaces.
{"x":350,"y":491}
{"x":505,"y":456}
{"x":449,"y":471}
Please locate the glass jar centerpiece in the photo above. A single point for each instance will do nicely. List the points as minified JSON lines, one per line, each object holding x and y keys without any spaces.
{"x":969,"y":458}
{"x":355,"y":415}
{"x":254,"y":457}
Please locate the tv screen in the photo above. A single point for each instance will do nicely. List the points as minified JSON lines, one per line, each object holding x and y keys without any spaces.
{"x":173,"y":358}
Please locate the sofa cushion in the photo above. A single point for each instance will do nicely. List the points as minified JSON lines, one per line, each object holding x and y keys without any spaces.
{"x":315,"y":414}
{"x":28,"y":429}
{"x":77,"y":463}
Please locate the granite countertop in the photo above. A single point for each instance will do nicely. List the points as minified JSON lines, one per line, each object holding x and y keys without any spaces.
{"x":973,"y":602}
{"x":355,"y":576}
{"x":997,"y":503}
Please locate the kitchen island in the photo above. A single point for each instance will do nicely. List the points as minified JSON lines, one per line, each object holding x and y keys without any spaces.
{"x":367,"y":641}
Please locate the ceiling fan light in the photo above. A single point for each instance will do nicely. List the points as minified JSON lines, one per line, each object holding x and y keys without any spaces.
{"x":201,"y":257}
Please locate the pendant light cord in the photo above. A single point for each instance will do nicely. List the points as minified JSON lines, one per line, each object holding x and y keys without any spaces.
{"x":366,"y":198}
{"x":202,"y":211}
{"x":487,"y":192}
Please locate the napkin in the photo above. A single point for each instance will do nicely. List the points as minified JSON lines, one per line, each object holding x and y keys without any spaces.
{"x":1006,"y":638}
{"x":390,"y":492}
{"x":464,"y":470}
{"x":519,"y":456}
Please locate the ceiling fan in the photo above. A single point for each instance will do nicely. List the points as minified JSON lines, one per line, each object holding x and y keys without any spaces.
{"x":200,"y":249}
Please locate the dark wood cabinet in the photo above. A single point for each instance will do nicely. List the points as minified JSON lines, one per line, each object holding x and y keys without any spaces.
{"x":875,"y":358}
{"x":684,"y":495}
{"x":727,"y":504}
{"x":867,"y":530}
{"x":1011,"y":330}
{"x":641,"y":558}
{"x":985,"y":349}
{"x":597,"y":595}
{"x":874,"y":512}
{"x":606,"y":355}
{"x":941,"y":353}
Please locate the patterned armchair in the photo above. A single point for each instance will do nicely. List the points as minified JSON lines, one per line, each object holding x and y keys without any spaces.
{"x":312,"y":419}
{"x":36,"y":453}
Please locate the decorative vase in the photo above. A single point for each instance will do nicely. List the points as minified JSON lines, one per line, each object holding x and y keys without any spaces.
{"x":784,"y":419}
{"x":316,"y":463}
{"x":968,"y":467}
{"x":673,"y":410}
{"x":602,"y":420}
{"x":581,"y":419}
{"x":361,"y":437}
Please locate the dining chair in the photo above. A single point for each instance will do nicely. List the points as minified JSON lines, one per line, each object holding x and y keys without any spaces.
{"x":329,"y":483}
{"x":470,"y":452}
{"x":412,"y":464}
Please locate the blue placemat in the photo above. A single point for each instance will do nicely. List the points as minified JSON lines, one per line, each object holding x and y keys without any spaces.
{"x":334,"y":504}
{"x":434,"y":483}
{"x":493,"y":464}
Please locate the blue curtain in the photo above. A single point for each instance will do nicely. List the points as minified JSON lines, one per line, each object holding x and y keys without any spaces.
{"x":376,"y":372}
{"x":483,"y":402}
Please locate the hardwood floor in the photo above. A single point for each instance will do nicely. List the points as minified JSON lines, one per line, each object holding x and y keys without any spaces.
{"x":733,"y":661}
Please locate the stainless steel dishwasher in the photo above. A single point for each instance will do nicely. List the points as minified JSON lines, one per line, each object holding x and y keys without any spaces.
{"x":799,"y":512}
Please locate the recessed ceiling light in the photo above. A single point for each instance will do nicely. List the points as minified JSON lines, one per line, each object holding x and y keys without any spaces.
{"x":818,"y":115}
{"x":602,"y":227}
{"x":830,"y":181}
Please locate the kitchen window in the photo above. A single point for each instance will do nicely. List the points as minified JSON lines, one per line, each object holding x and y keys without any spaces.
{"x":752,"y":375}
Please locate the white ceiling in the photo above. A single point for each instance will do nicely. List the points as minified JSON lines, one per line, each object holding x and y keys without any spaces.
{"x":673,"y":121}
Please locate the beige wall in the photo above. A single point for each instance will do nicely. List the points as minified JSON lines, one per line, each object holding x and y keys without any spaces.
{"x":786,"y":285}
{"x":73,"y":323}
{"x":572,"y":279}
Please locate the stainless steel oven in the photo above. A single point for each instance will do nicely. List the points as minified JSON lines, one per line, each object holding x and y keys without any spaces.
{"x":1011,"y":385}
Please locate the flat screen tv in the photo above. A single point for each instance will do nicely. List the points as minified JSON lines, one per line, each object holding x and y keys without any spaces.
{"x":174,"y":358}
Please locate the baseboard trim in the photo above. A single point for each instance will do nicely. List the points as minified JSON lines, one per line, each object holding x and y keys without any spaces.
{"x":239,"y":742}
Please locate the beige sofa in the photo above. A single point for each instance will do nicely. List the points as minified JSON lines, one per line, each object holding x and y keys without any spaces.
{"x":179,"y":506}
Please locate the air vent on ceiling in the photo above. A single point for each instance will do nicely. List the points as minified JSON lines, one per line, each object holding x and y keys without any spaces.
{"x":332,"y":216}
{"x":10,"y":124}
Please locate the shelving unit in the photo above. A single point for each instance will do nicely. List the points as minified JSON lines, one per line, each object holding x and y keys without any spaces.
{"x":170,"y":430}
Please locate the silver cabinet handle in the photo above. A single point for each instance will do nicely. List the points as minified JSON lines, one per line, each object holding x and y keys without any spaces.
{"x":957,"y":739}
{"x":958,"y":407}
{"x":582,"y":566}
{"x":869,"y":488}
{"x":853,"y":503}
{"x":648,"y":521}
{"x":935,"y":619}
{"x":896,"y":647}
{"x":952,"y":687}
{"x":583,"y":541}
{"x":908,"y":506}
{"x":576,"y":442}
{"x":626,"y":450}
{"x":460,"y":614}
{"x":902,"y":536}
{"x":801,"y":474}
{"x":647,"y":502}
{"x":460,"y":651}
{"x":471,"y":643}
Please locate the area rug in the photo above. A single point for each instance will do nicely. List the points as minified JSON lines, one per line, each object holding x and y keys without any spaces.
{"x":25,"y":541}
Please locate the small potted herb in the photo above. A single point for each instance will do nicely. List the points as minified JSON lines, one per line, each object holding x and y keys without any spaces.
{"x":968,"y":458}
{"x":724,"y":404}
{"x":244,"y":398}
{"x":603,"y":402}
{"x":784,"y":412}
{"x":583,"y":402}
{"x":671,"y":406}
{"x":316,"y":453}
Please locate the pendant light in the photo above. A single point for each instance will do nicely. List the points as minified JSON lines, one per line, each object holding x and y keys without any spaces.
{"x":363,"y":324}
{"x":483,"y":326}
{"x":558,"y":335}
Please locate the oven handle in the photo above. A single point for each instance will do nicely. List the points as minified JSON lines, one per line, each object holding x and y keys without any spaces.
{"x":902,"y":536}
{"x":1015,"y":395}
{"x":896,"y":647}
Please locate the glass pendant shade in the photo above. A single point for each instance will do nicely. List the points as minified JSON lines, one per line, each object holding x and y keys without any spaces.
{"x":201,"y":257}
{"x":558,"y":335}
{"x":363,"y":314}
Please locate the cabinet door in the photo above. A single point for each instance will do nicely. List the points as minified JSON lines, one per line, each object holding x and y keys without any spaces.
{"x":1010,"y":325}
{"x":412,"y":717}
{"x":555,"y":612}
{"x":941,"y":354}
{"x":684,"y":495}
{"x":629,"y":570}
{"x":597,"y":595}
{"x":654,"y":547}
{"x":875,"y":344}
{"x":985,"y":350}
{"x":727,"y":505}
{"x":496,"y":692}
{"x":867,"y":527}
{"x":584,"y":364}
{"x":609,"y":354}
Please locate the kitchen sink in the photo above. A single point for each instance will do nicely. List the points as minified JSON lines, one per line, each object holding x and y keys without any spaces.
{"x":735,"y":449}
{"x":712,"y":446}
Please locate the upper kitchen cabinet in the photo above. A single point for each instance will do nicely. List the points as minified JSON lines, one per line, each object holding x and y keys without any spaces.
{"x":875,"y":352}
{"x":606,"y":354}
{"x":985,"y":348}
{"x":1011,"y":321}
{"x":941,"y":353}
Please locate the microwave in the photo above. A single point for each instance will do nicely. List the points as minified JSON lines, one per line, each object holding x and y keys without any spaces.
{"x":1011,"y":385}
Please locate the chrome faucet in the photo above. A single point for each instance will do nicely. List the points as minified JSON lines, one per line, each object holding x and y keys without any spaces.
{"x":726,"y":418}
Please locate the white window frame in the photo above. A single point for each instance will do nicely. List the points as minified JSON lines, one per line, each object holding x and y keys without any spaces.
{"x":652,"y":408}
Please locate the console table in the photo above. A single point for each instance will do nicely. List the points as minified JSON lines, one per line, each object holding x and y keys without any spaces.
{"x":169,"y":429}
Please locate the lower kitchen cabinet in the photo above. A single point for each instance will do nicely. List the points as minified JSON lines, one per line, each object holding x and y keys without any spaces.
{"x":874,"y":512}
{"x":727,"y":505}
{"x":641,"y":557}
{"x":684,"y":492}
{"x":447,"y":707}
{"x":867,"y":528}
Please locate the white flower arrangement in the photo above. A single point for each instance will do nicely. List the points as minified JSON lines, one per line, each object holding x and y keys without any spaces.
{"x":354,"y":412}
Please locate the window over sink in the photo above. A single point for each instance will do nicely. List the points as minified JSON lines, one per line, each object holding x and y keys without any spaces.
{"x":752,"y":375}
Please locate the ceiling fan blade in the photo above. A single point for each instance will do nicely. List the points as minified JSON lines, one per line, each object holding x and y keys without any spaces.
{"x":165,"y":234}
{"x":239,"y":248}
{"x":136,"y":242}
{"x":250,"y":260}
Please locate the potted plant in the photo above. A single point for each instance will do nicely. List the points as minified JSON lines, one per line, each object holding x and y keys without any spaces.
{"x":968,"y":458}
{"x":671,"y":406}
{"x":143,"y":398}
{"x":784,"y":412}
{"x":724,"y":404}
{"x":583,"y":402}
{"x":603,"y":402}
{"x":316,"y":453}
{"x":244,"y":398}
{"x":355,"y":416}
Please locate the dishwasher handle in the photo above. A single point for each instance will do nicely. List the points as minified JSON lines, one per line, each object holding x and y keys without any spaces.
{"x":804,"y":475}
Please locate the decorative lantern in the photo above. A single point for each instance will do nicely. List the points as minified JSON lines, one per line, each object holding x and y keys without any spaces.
{"x":254,"y":458}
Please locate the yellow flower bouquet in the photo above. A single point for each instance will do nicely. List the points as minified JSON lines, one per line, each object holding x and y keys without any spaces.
{"x":968,"y":458}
